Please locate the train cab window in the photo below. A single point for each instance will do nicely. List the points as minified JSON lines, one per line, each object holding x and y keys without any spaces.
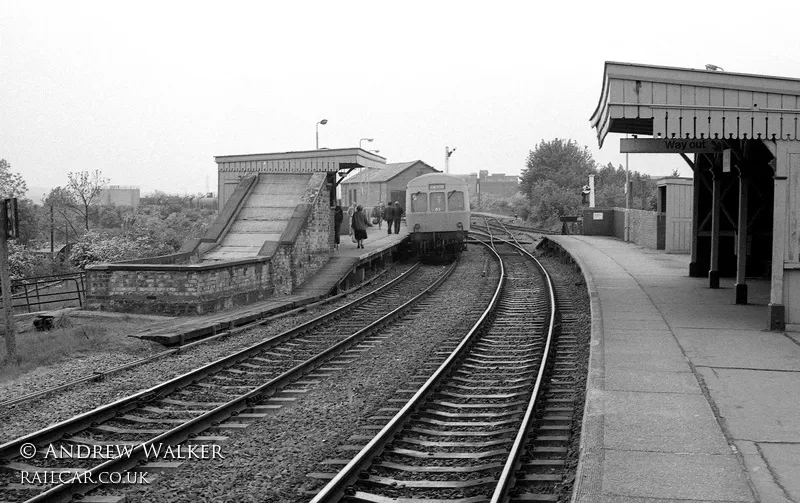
{"x":455,"y":200}
{"x":419,"y":202}
{"x":437,"y":201}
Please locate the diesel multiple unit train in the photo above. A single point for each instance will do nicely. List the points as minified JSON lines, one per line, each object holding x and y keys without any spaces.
{"x":437,"y":216}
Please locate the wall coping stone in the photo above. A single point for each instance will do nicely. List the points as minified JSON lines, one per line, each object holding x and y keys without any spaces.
{"x":206,"y":266}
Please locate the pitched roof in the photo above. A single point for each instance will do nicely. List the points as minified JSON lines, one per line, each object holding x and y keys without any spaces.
{"x":384,"y":174}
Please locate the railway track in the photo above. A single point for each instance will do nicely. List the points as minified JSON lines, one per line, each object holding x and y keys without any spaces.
{"x":497,"y":224}
{"x":99,"y":376}
{"x":222,"y":396}
{"x":488,"y":424}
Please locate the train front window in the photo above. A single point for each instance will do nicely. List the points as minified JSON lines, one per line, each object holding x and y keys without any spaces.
{"x":437,"y":201}
{"x":419,"y":202}
{"x":455,"y":200}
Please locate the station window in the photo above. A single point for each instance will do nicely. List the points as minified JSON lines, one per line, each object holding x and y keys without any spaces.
{"x":419,"y":202}
{"x":455,"y":200}
{"x":437,"y":201}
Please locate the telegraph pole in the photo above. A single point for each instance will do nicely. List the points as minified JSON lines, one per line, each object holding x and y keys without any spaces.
{"x":52,"y":231}
{"x":5,"y":284}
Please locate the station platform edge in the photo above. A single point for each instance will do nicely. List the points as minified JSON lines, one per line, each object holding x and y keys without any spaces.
{"x":688,"y":398}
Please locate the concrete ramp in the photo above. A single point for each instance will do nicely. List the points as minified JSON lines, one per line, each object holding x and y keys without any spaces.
{"x":264,"y":215}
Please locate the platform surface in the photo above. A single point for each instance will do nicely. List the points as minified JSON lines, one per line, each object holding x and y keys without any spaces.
{"x":689,"y":398}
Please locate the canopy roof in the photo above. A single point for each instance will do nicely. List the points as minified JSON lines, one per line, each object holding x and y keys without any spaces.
{"x":329,"y":160}
{"x":385,"y":173}
{"x":684,"y":103}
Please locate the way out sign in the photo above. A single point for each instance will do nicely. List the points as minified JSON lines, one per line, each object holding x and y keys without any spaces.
{"x":670,"y":146}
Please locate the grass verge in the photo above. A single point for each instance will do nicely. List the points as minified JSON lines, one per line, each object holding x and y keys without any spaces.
{"x":71,"y":337}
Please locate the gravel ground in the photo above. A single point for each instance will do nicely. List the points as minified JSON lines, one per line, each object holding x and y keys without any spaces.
{"x":75,"y":366}
{"x":573,"y":287}
{"x":269,"y":461}
{"x":31,"y":416}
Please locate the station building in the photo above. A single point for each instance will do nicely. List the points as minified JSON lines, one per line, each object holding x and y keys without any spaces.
{"x":738,"y":133}
{"x":382,"y":184}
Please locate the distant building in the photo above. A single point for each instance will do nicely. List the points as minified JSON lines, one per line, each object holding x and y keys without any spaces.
{"x":382,"y":185}
{"x":496,"y":184}
{"x":119,"y":195}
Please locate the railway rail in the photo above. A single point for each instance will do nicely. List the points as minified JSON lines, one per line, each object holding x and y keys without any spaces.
{"x":207,"y":398}
{"x":506,"y":226}
{"x":476,"y":430}
{"x":103,"y":374}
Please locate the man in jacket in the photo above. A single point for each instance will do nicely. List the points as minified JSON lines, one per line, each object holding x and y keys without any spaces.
{"x":388,"y":215}
{"x":398,"y":214}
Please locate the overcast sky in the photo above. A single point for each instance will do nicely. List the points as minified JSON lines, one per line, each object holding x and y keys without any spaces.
{"x":150,"y":92}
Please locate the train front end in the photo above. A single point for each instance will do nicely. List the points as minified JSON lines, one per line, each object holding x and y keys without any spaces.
{"x":438,"y":216}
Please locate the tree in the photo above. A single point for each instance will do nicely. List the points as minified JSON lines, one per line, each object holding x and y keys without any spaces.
{"x":549,"y":201}
{"x":65,"y":205}
{"x":610,"y":186}
{"x":85,"y":187}
{"x":560,"y":161}
{"x":11,"y":184}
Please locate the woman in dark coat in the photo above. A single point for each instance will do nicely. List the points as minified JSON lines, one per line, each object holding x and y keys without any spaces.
{"x":338,"y":218}
{"x":360,"y":224}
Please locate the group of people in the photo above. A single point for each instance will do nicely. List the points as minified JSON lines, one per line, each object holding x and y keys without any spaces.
{"x":359,"y":221}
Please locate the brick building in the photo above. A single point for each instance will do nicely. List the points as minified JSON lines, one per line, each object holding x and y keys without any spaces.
{"x":497,"y":184}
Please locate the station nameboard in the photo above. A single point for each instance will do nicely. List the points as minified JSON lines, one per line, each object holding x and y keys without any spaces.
{"x":670,"y":146}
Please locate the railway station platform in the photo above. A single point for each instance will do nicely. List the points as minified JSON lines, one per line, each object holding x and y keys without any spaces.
{"x":688,"y":397}
{"x":346,"y":268}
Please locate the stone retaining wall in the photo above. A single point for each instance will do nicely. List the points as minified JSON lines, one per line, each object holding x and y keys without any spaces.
{"x":177,"y":290}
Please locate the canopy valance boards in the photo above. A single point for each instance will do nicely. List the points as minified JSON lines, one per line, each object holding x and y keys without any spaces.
{"x":696,"y":104}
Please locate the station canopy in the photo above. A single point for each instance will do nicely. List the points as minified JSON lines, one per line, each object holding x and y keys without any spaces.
{"x":681,"y":103}
{"x":309,"y":161}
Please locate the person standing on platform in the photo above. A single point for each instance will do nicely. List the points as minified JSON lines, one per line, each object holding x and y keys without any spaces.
{"x":350,"y":212}
{"x":377,"y":215}
{"x":338,"y":217}
{"x":360,"y":224}
{"x":398,"y":214}
{"x":388,"y":215}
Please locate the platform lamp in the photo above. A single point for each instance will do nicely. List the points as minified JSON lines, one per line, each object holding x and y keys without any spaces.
{"x":363,"y":140}
{"x":323,"y":122}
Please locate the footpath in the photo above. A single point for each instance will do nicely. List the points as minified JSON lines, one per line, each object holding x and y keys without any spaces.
{"x":689,"y":397}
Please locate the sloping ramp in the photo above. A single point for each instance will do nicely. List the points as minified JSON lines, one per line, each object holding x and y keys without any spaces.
{"x":324,"y":280}
{"x":264,"y":215}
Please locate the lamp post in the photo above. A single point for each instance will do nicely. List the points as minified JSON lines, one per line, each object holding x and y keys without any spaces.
{"x":323,"y":122}
{"x":363,"y":140}
{"x":447,"y":154}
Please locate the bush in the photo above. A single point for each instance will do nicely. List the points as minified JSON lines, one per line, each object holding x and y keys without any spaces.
{"x":145,"y":235}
